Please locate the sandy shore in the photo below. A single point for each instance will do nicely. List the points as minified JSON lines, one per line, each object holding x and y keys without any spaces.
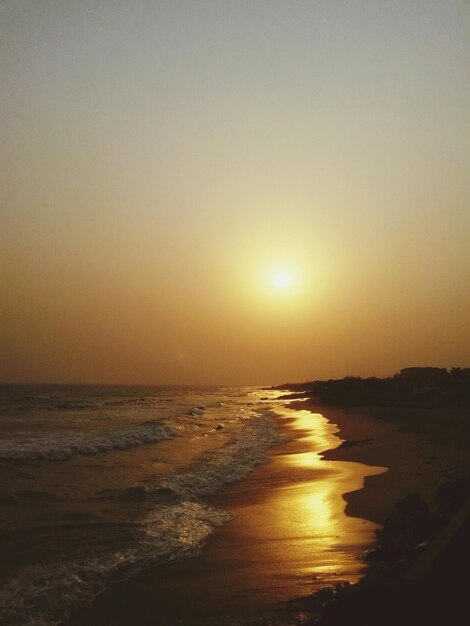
{"x":423,"y":449}
{"x":418,"y":462}
{"x":290,"y":535}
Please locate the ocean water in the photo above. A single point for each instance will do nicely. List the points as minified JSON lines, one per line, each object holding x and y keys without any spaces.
{"x":101,"y":482}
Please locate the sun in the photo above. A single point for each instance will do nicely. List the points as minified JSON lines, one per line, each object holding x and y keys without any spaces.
{"x":282,"y":279}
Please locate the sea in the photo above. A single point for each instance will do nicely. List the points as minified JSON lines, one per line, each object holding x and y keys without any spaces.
{"x":98,"y":483}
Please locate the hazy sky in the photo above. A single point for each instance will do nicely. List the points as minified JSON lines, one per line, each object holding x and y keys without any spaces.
{"x":161,"y":160}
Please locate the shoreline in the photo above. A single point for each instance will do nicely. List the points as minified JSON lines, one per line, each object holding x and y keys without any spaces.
{"x":194,"y":591}
{"x":416,"y":462}
{"x":289,"y":529}
{"x":423,"y":504}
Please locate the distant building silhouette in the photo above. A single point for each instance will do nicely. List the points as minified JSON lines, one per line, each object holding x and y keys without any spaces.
{"x":425,"y":375}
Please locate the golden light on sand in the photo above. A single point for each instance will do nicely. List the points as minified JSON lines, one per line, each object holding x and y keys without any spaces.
{"x":282,"y":279}
{"x":314,"y":505}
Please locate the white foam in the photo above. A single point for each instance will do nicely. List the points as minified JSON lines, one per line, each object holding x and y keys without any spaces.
{"x":229,"y":463}
{"x":60,"y":446}
{"x":81,"y":405}
{"x":43,"y":594}
{"x":197,"y":410}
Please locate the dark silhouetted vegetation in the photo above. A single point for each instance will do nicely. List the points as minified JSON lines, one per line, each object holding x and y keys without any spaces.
{"x":412,"y":387}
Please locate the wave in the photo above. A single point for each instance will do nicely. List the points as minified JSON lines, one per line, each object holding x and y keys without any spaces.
{"x":229,"y":463}
{"x":61,"y":402}
{"x":80,"y":405}
{"x":44,"y":594}
{"x":37,"y":397}
{"x":213,"y":470}
{"x":77,"y":405}
{"x":60,"y":446}
{"x":197,"y":410}
{"x":177,"y":526}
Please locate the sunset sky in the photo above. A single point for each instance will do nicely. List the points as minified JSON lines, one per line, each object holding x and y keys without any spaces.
{"x":233,"y":192}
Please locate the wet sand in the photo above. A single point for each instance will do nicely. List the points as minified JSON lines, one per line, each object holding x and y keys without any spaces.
{"x":419,"y":462}
{"x":289,"y":537}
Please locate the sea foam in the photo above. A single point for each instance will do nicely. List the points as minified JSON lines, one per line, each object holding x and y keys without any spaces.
{"x":175,"y":525}
{"x":229,"y":463}
{"x":44,"y":594}
{"x":60,"y":446}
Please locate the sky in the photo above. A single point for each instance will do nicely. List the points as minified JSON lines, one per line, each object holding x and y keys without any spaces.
{"x":163,"y":163}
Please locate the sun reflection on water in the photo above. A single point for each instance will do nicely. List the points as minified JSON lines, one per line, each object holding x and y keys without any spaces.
{"x":324,"y":540}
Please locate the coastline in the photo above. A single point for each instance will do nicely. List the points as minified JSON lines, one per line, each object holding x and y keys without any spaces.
{"x":422,"y":502}
{"x":195,"y":591}
{"x":416,"y":462}
{"x":289,"y":538}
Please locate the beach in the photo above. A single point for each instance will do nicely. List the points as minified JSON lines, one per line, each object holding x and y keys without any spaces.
{"x":252,"y":501}
{"x":234,"y":339}
{"x":103,"y":482}
{"x":289,"y":538}
{"x":255,"y":565}
{"x":418,"y":462}
{"x":416,"y":570}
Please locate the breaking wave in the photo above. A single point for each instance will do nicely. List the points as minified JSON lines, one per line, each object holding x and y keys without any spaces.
{"x":44,"y":594}
{"x":176,"y":526}
{"x":229,"y":463}
{"x":60,"y":446}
